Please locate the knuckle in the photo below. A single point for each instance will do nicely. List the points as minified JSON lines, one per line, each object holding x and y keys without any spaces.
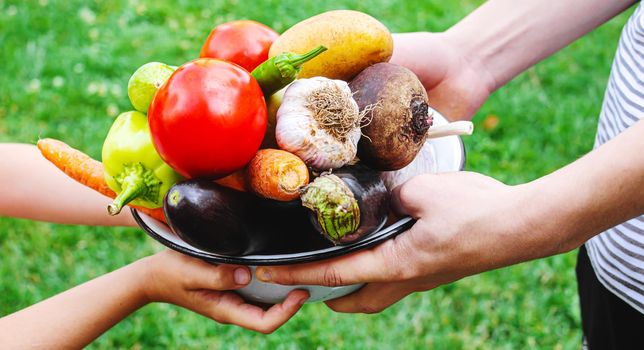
{"x":286,"y":278}
{"x":331,"y":277}
{"x":210,"y":300}
{"x":406,"y":193}
{"x":189,"y":280}
{"x":411,"y":194}
{"x":421,"y":181}
{"x":281,"y":275}
{"x":221,"y":277}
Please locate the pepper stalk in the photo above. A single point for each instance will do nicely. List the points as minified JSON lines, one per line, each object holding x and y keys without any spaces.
{"x":281,"y":70}
{"x":133,"y":168}
{"x":136,"y":182}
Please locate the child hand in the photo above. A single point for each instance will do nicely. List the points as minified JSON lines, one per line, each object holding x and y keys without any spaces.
{"x":204,"y":288}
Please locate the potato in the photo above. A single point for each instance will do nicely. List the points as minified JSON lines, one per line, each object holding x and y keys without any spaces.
{"x":354,"y":40}
{"x":395,"y":103}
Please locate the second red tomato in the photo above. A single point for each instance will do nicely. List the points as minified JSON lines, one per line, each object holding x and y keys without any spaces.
{"x":245,"y":43}
{"x":208,"y":119}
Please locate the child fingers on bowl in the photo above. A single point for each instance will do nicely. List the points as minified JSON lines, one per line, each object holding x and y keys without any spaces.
{"x":204,"y":288}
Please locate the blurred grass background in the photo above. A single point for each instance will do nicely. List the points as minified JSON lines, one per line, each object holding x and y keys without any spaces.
{"x":64,"y":71}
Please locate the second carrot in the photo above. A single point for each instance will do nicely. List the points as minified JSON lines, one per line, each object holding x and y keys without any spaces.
{"x":277,"y":174}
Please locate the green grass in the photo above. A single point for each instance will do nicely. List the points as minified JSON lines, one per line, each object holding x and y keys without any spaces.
{"x":65,"y":66}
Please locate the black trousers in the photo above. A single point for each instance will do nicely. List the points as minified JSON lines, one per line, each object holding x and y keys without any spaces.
{"x":608,"y":322}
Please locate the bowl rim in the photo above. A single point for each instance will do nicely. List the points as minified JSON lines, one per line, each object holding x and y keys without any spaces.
{"x":375,"y":238}
{"x":371,"y":240}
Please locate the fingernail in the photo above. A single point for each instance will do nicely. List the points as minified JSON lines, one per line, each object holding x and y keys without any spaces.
{"x":264,"y":274}
{"x":303,"y":300}
{"x":241,"y":276}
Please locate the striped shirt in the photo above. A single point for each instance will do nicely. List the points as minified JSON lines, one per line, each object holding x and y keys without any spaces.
{"x":617,"y":255}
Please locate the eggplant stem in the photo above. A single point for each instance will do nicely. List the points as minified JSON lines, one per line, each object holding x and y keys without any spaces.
{"x":451,"y":129}
{"x":335,"y":207}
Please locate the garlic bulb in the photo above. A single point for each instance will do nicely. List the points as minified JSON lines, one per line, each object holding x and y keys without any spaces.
{"x":425,"y":162}
{"x":319,"y":122}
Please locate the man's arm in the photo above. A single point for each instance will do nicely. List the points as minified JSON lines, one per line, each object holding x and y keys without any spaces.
{"x":507,"y":37}
{"x":461,"y":67}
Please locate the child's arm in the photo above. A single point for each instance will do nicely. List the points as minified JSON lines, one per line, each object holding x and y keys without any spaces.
{"x":33,"y":188}
{"x":74,"y":318}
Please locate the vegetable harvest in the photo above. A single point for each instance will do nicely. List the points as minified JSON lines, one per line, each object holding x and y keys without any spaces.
{"x":133,"y":169}
{"x":85,"y":170}
{"x":268,"y":143}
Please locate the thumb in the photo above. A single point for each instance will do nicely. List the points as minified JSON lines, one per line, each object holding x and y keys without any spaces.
{"x":411,"y":197}
{"x":374,"y":265}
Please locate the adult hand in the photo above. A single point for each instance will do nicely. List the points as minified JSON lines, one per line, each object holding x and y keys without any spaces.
{"x":175,"y":278}
{"x":465,"y":225}
{"x":457,"y":85}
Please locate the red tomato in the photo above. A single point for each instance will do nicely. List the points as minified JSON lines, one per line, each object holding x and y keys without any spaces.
{"x":208,"y":119}
{"x":245,"y":43}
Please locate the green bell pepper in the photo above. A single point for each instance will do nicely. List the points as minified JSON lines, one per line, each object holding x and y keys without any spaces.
{"x":133,"y":168}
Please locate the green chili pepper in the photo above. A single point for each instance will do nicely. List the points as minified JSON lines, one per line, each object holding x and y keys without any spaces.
{"x":281,"y":70}
{"x":133,"y":168}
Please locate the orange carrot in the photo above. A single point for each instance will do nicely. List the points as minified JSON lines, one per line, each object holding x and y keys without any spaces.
{"x":277,"y":174}
{"x":82,"y":168}
{"x":236,"y":181}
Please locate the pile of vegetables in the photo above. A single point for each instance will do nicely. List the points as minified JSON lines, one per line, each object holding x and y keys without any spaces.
{"x":266,"y":143}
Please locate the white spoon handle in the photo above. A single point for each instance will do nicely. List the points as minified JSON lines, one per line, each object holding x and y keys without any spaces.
{"x":453,"y":128}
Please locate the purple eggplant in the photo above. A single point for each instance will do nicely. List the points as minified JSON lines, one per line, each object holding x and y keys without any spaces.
{"x":224,"y":221}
